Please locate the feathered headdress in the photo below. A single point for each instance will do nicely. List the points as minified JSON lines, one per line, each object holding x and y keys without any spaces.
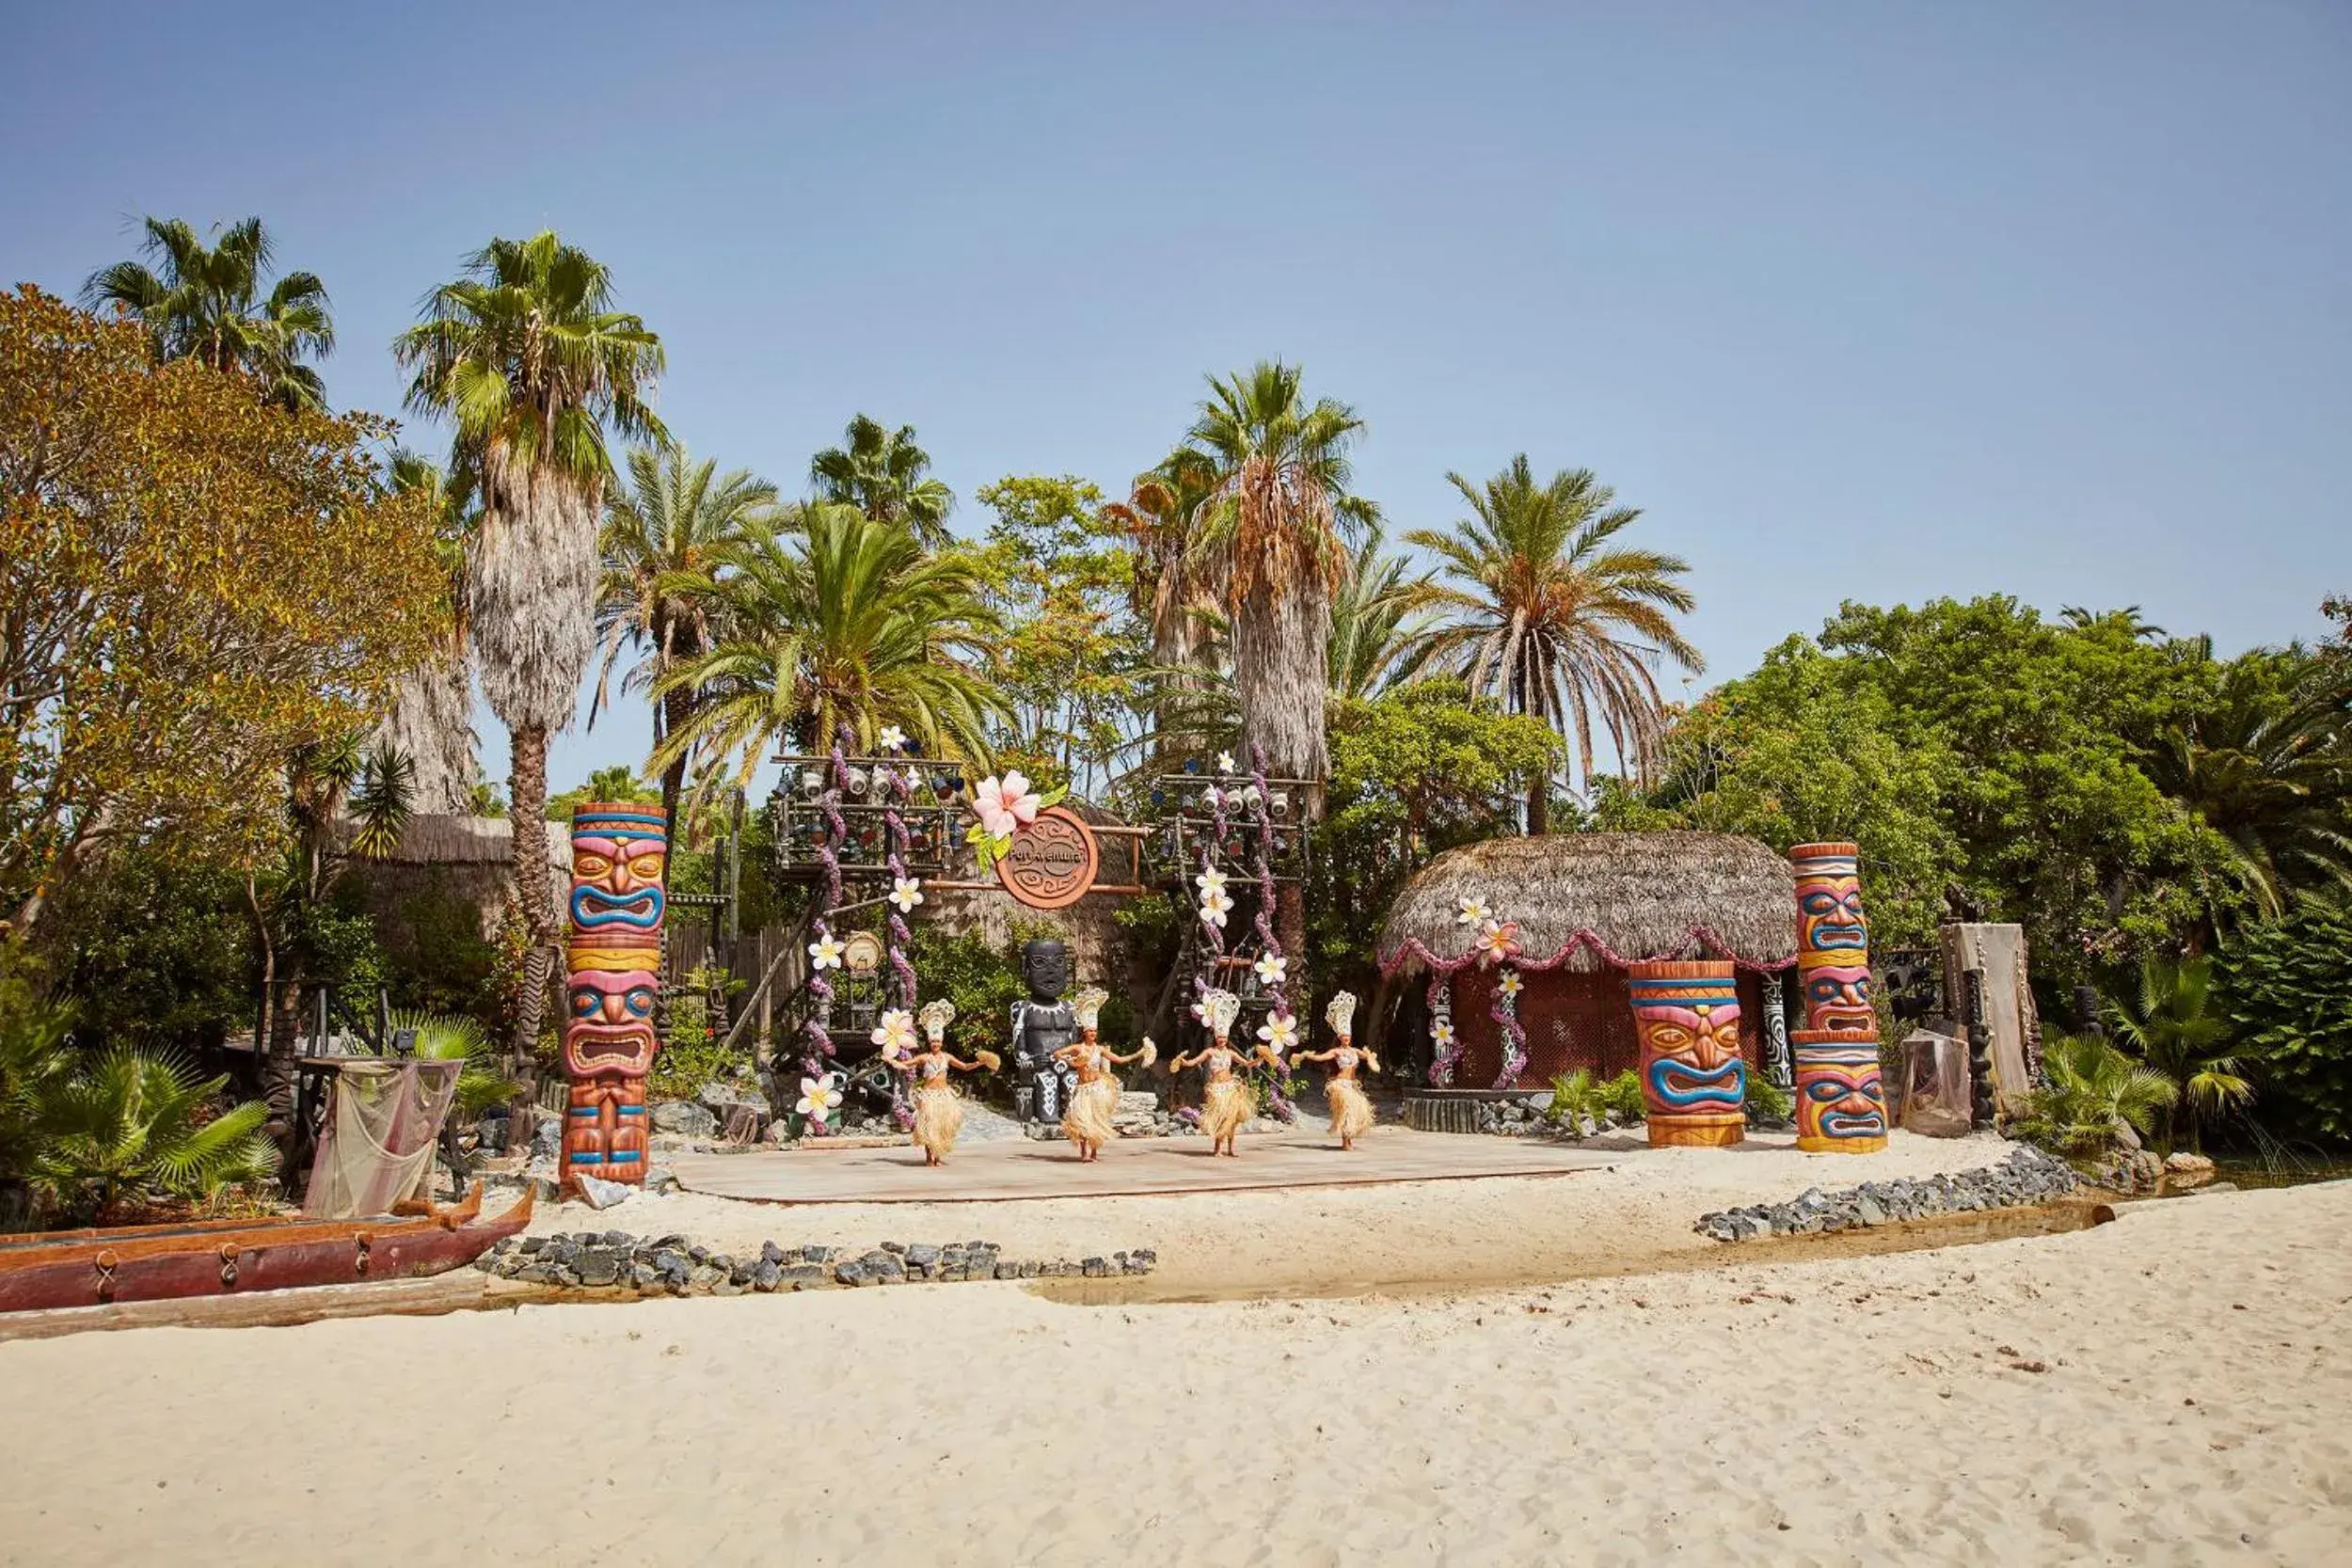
{"x":1088,"y":1005}
{"x":1341,"y":1012}
{"x":1218,"y":1008}
{"x":936,"y":1016}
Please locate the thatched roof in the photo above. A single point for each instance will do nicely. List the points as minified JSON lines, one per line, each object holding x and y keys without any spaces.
{"x":430,"y":840}
{"x":1588,"y":899}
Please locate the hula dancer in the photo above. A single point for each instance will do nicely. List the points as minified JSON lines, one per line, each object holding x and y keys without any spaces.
{"x":938,"y":1109}
{"x":1351,"y":1112}
{"x":1226,"y":1102}
{"x":1087,"y":1121}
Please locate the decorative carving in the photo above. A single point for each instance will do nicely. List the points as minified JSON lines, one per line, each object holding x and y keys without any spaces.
{"x":1832,"y":937}
{"x":620,"y":853}
{"x":1841,"y":1101}
{"x":1051,"y":862}
{"x":1693,"y":1079}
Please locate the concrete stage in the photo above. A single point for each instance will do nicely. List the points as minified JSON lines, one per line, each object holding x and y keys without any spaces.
{"x":1018,"y":1168}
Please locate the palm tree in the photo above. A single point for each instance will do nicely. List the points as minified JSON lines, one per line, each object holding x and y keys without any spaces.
{"x":1378,"y":638}
{"x":2094,"y":1099}
{"x":130,"y":1122}
{"x":2176,"y":1028}
{"x":1276,"y":475}
{"x":1175,"y":594}
{"x":882,"y":473}
{"x":527,"y":357}
{"x":664,"y":538}
{"x":206,"y":304}
{"x":844,"y":621}
{"x":1554,"y":619}
{"x":430,"y":718}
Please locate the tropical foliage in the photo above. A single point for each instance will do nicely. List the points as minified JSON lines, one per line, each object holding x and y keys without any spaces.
{"x":2095,"y":1100}
{"x":206,"y":304}
{"x":882,"y":473}
{"x":2172,"y":1023}
{"x":2287,"y":987}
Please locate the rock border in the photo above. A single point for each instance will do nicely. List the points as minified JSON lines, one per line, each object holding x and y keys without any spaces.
{"x":2026,"y":1178}
{"x":676,"y":1266}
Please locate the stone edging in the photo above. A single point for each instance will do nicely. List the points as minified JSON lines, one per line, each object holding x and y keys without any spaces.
{"x":2028,"y":1175}
{"x":673,"y":1265}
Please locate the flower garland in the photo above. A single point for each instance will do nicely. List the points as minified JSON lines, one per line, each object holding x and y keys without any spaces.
{"x":1216,"y":903}
{"x":824,"y":954}
{"x":906,"y":891}
{"x":1505,"y":1012}
{"x":1280,"y":1029}
{"x":1441,"y":1035}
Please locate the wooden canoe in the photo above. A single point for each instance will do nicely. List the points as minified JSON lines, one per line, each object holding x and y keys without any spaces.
{"x":212,"y":1258}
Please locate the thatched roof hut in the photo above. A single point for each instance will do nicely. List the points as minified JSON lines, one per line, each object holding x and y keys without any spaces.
{"x":1588,"y":901}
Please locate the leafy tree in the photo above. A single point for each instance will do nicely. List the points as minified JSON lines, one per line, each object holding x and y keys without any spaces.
{"x":1555,"y":618}
{"x":604,"y":784}
{"x":157,"y":950}
{"x":2287,"y":987}
{"x":206,"y":304}
{"x":1414,"y":773}
{"x":665,"y":537}
{"x":848,"y":621}
{"x":193,"y":587}
{"x":2173,"y":1022}
{"x":886,"y":475}
{"x":527,"y":357}
{"x":1069,"y":661}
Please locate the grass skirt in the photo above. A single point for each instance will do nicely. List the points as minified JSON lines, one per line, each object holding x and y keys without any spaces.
{"x":1091,"y":1107}
{"x":938,"y":1118}
{"x":1351,"y":1112}
{"x":1225,"y":1106}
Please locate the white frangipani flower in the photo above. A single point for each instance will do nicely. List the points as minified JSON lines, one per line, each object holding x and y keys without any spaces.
{"x":1270,"y":968}
{"x":825,"y":952}
{"x":906,"y":891}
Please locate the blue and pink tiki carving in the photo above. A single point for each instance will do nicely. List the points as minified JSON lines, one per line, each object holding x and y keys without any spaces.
{"x":620,"y":852}
{"x":1694,"y":1082}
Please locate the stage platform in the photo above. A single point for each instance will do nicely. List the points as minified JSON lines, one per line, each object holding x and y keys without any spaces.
{"x":1023,"y":1169}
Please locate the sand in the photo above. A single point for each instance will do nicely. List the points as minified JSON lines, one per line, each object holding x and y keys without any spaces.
{"x":2172,"y":1389}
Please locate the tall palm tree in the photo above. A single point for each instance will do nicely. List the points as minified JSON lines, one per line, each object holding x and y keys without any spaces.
{"x":2176,"y":1025}
{"x":845,"y":621}
{"x":527,"y":357}
{"x":665,"y":538}
{"x":1276,"y":474}
{"x":430,"y":718}
{"x":885,"y":474}
{"x":1379,"y":639}
{"x":1556,"y":620}
{"x":1174,"y":594}
{"x":206,"y":304}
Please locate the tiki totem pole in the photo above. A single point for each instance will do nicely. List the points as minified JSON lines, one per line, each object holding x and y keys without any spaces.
{"x":1694,"y":1082}
{"x":619,"y":853}
{"x":1841,"y":1103}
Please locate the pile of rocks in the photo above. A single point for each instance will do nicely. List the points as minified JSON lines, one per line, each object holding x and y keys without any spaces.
{"x":2028,"y":1175}
{"x":673,"y":1265}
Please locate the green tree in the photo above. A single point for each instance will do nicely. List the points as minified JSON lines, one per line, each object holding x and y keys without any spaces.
{"x":886,"y":475}
{"x":1379,"y":638}
{"x":2174,"y":1021}
{"x":665,"y":537}
{"x":1555,"y":617}
{"x":2287,"y":987}
{"x":1069,"y":661}
{"x":605,"y":784}
{"x":526,"y":356}
{"x":847,"y":621}
{"x":206,"y":304}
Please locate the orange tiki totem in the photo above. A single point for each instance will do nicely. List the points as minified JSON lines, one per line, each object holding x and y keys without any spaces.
{"x":620,"y":852}
{"x":1694,"y":1080}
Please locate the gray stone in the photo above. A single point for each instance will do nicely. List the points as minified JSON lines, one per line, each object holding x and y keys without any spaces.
{"x":770,"y":1253}
{"x":684,"y":1117}
{"x":803,"y":1276}
{"x":924,"y":1257}
{"x":705,"y":1277}
{"x":601,"y":1265}
{"x":645,"y":1276}
{"x":1868,"y":1212}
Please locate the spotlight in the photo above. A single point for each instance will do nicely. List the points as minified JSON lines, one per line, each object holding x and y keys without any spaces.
{"x":812,"y":783}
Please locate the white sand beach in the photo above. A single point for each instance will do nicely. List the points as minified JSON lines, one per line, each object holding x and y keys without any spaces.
{"x":2173,"y":1389}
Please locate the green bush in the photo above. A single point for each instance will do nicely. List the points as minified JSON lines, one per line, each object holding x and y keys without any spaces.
{"x":2287,"y":990}
{"x":1622,"y":1097}
{"x":1768,"y":1101}
{"x":2092,"y":1092}
{"x":482,"y":1084}
{"x":130,"y":1125}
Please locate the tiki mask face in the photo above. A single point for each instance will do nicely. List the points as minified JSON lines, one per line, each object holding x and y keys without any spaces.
{"x":619,"y":856}
{"x":608,"y":1029}
{"x":1829,"y":913}
{"x":1837,"y":996}
{"x":1689,"y":1029}
{"x":1840,"y":1100}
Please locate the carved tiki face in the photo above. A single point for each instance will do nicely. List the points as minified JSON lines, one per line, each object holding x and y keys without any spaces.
{"x":1829,"y":905}
{"x":619,"y":857}
{"x":609,"y":997}
{"x":1689,"y":1029}
{"x":1046,"y":964}
{"x":1840,"y":1098}
{"x":1837,"y":996}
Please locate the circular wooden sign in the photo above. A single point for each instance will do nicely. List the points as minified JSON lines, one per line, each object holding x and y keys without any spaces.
{"x":1051,"y":862}
{"x":863,"y":953}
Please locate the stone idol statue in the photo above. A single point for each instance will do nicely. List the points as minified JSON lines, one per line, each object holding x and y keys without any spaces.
{"x":1043,"y":1023}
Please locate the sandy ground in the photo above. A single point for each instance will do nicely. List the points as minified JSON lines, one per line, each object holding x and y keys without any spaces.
{"x":2172,"y":1389}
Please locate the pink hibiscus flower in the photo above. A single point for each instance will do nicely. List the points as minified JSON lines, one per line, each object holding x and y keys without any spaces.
{"x":1005,"y":805}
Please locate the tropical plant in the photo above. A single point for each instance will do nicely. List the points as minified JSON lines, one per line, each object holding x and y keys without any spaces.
{"x":127,"y":1123}
{"x":2286,"y":985}
{"x":2176,"y":1025}
{"x":192,"y":586}
{"x":2094,"y":1099}
{"x":886,"y":475}
{"x":1767,"y":1101}
{"x":1173,"y":592}
{"x":1574,"y":1098}
{"x":206,"y":304}
{"x":482,"y":1082}
{"x":1555,"y":617}
{"x":846,"y":622}
{"x":1275,"y":475}
{"x":528,"y":359}
{"x":36,"y":1056}
{"x":430,"y":718}
{"x":665,"y":536}
{"x":1379,"y":638}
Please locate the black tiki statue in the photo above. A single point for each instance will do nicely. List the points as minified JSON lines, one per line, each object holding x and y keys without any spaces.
{"x":1042,"y":1024}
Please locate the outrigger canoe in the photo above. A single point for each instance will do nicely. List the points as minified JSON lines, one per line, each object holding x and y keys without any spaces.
{"x":219,"y":1257}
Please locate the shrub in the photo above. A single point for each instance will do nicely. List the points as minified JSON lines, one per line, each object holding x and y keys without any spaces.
{"x":1768,"y":1101}
{"x":2093,"y":1094}
{"x":132,"y":1123}
{"x":482,"y":1083}
{"x":2287,"y":990}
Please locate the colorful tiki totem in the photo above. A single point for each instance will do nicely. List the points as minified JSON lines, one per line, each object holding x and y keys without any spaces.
{"x":1694,"y":1082}
{"x":1841,"y":1105}
{"x":619,"y":854}
{"x":1833,"y":939}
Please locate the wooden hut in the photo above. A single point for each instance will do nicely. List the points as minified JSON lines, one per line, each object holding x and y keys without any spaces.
{"x":1585,"y":906}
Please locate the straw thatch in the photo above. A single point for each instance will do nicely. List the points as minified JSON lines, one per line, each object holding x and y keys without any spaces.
{"x":1589,"y":899}
{"x":433,"y":839}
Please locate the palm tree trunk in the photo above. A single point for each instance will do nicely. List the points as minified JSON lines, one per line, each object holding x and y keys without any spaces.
{"x":1279,"y":668}
{"x":533,"y":887}
{"x":678,"y":708}
{"x":1539,"y":804}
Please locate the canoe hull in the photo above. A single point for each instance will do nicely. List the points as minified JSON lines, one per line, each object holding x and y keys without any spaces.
{"x":86,"y":1272}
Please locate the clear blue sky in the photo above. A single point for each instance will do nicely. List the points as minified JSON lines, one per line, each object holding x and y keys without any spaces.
{"x":1867,"y":301}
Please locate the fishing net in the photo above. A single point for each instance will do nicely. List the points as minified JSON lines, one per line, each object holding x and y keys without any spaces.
{"x":1934,"y":1084}
{"x":382,"y":1130}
